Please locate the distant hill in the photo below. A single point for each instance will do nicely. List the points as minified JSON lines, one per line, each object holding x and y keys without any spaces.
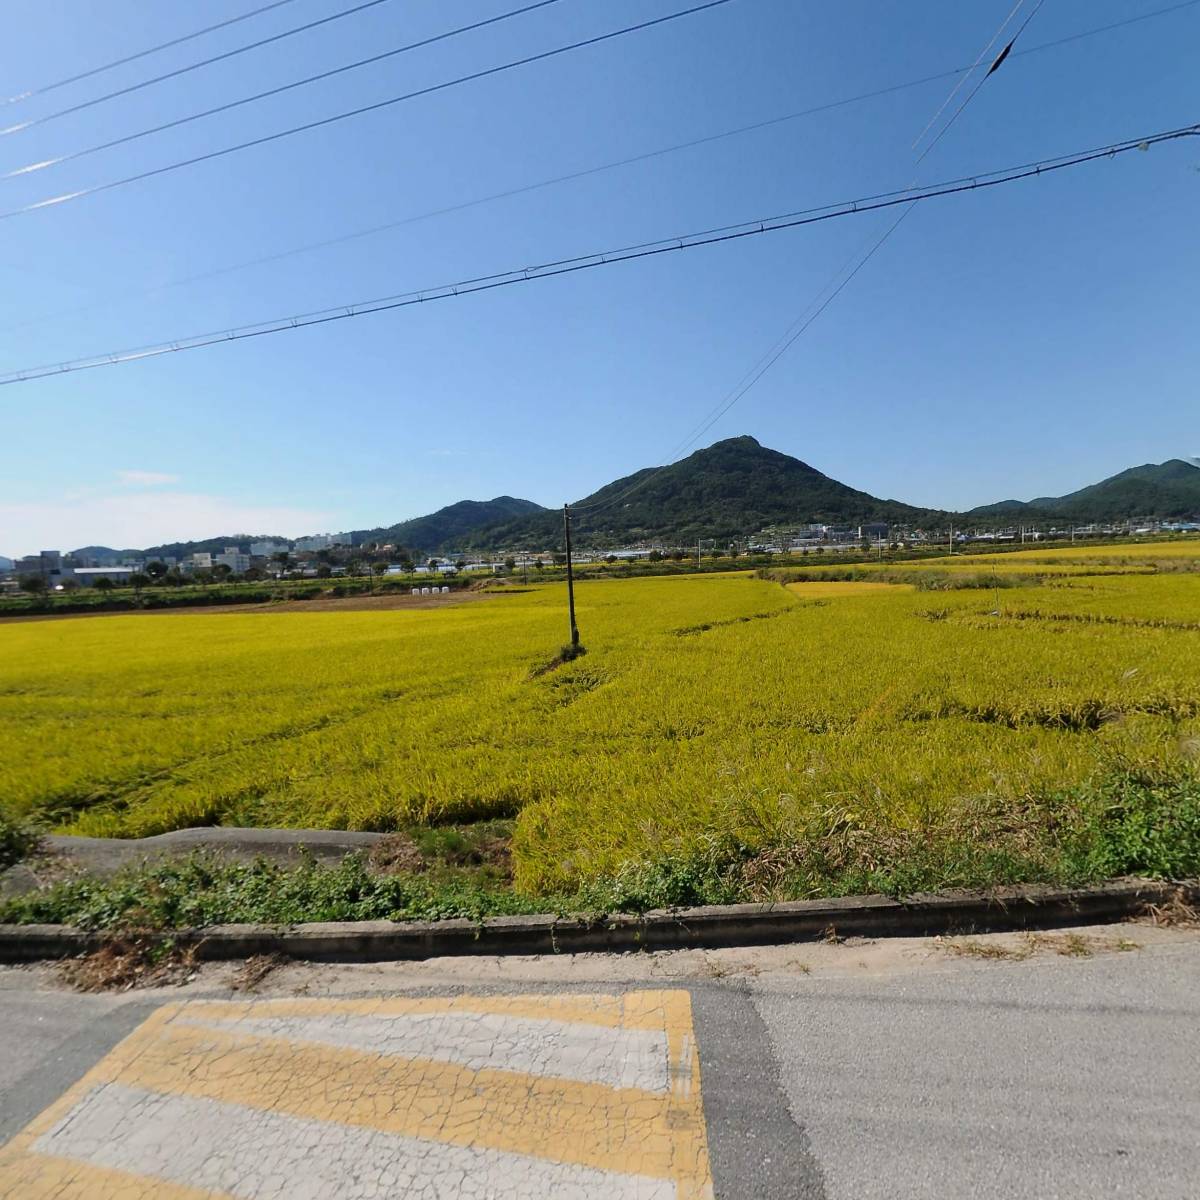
{"x":1160,"y":490}
{"x":451,"y":527}
{"x":732,"y":488}
{"x":103,"y":554}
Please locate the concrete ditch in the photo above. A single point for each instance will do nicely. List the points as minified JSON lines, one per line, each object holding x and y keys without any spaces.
{"x":1003,"y":909}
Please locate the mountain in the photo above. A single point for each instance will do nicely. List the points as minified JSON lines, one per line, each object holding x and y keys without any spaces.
{"x":106,"y":554}
{"x":450,"y":527}
{"x":730,"y":489}
{"x":733,"y":488}
{"x":1161,"y":490}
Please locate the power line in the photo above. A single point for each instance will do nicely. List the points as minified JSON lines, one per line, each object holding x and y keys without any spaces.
{"x":120,"y":62}
{"x":954,"y":91}
{"x":983,"y":78}
{"x":756,"y":372}
{"x":838,"y":284}
{"x":366,"y":108}
{"x":801,"y":325}
{"x":204,"y":62}
{"x":709,"y":237}
{"x":30,"y":168}
{"x":962,"y":72}
{"x":571,"y":176}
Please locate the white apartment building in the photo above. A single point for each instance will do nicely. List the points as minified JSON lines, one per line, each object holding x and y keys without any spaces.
{"x":234,"y":559}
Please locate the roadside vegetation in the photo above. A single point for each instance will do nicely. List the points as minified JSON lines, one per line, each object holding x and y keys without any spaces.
{"x":724,"y":738}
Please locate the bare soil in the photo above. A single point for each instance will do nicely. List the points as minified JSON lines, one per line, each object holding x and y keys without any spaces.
{"x":365,"y":603}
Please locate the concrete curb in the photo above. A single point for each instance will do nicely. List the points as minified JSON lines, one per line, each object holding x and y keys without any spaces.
{"x":689,"y":928}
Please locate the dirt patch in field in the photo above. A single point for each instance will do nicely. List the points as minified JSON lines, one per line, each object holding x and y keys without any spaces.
{"x":822,"y":589}
{"x":365,"y":603}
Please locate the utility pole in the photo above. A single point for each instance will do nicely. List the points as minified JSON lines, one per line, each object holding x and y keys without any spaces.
{"x":570,"y":578}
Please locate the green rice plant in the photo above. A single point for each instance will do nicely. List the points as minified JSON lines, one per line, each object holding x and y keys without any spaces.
{"x":717,"y":709}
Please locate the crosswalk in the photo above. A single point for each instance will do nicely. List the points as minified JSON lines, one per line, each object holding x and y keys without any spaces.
{"x":560,"y":1095}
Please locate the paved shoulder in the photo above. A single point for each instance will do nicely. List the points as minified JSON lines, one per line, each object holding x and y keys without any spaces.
{"x":1050,"y":1078}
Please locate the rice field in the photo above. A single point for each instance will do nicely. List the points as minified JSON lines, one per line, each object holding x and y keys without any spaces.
{"x":706,"y":707}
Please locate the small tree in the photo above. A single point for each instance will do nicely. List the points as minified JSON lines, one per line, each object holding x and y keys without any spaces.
{"x":104,"y":584}
{"x":35,"y":585}
{"x":538,"y":565}
{"x":378,"y":569}
{"x":734,"y":552}
{"x":432,"y":564}
{"x":221,"y":572}
{"x":252,"y":574}
{"x":137,"y":581}
{"x":156,"y":570}
{"x":654,"y":556}
{"x":283,"y":558}
{"x":510,"y":565}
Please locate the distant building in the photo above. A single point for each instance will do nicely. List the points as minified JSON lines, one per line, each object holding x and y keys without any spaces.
{"x":234,"y":559}
{"x":268,"y":549}
{"x":87,"y":576}
{"x":48,"y":565}
{"x":202,"y":560}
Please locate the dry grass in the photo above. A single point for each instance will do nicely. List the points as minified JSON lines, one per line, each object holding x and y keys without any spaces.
{"x":396,"y":854}
{"x":132,"y":961}
{"x":1027,"y":945}
{"x":1173,"y":913}
{"x":253,"y":971}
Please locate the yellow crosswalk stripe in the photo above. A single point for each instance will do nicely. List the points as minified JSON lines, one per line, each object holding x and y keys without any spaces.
{"x":561,"y":1089}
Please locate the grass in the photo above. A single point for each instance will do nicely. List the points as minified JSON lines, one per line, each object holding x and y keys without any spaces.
{"x":724,"y":738}
{"x":1133,"y":825}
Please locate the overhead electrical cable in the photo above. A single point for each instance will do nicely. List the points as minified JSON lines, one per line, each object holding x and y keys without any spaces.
{"x":830,"y":291}
{"x":982,"y":55}
{"x":709,"y":237}
{"x":29,"y":168}
{"x":982,"y":80}
{"x":363,"y":109}
{"x":120,"y":62}
{"x":801,"y":325}
{"x":571,"y":176}
{"x":196,"y":66}
{"x":965,"y":71}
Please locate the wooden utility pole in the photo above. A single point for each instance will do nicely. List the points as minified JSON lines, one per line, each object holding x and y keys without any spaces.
{"x":570,"y":578}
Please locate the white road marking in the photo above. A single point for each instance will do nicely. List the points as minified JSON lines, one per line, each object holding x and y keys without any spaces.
{"x":619,"y":1058}
{"x":246,"y":1152}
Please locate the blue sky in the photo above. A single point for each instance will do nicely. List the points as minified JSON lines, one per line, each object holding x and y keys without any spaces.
{"x":1023,"y":341}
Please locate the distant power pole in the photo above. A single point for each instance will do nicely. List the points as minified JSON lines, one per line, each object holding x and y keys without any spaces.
{"x":570,"y":578}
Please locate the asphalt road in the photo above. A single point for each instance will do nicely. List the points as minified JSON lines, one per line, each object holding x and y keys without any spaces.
{"x":886,"y":1070}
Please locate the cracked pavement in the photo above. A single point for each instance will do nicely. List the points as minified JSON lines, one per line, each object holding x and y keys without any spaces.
{"x":906,"y":1068}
